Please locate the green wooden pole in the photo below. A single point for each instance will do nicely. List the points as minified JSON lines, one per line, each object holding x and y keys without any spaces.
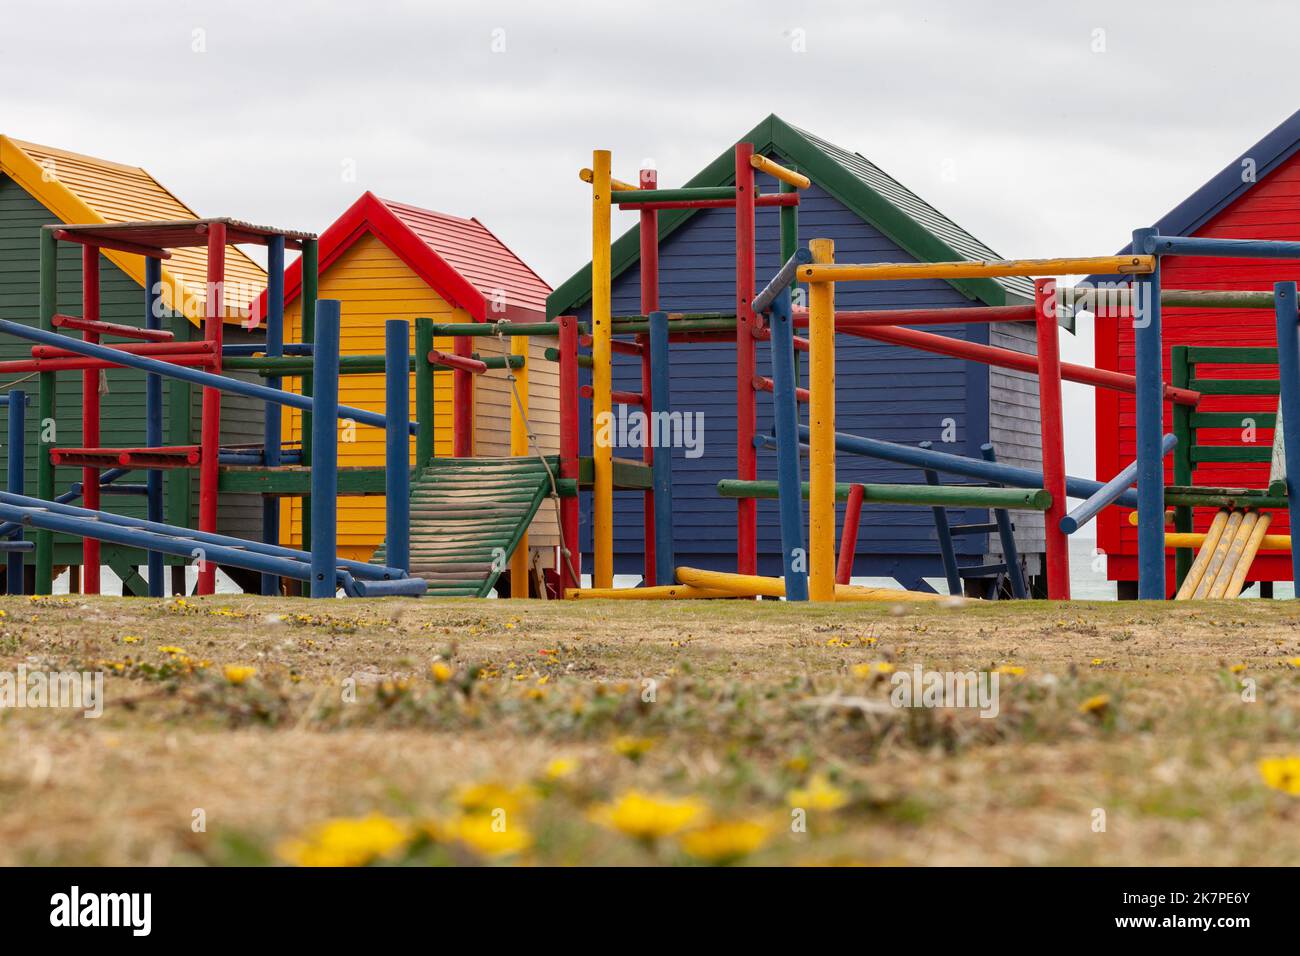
{"x":790,"y":245}
{"x":1186,"y":435}
{"x":423,"y":392}
{"x":45,"y":434}
{"x":948,"y":496}
{"x":310,"y":286}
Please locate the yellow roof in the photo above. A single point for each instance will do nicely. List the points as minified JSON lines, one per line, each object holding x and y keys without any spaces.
{"x":85,"y":190}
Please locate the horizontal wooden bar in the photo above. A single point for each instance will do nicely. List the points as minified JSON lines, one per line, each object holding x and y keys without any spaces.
{"x":1231,"y":355}
{"x":111,"y":328}
{"x":976,"y":269}
{"x":775,"y":169}
{"x":1235,"y":386}
{"x":1233,"y":419}
{"x":1231,"y":453}
{"x":950,"y":496}
{"x":762,"y":201}
{"x":586,"y":175}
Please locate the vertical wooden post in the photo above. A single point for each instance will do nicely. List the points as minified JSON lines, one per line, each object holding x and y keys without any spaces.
{"x":210,"y":432}
{"x":397,"y":444}
{"x":45,"y":422}
{"x":462,"y":402}
{"x":746,"y":322}
{"x":602,"y":374}
{"x":821,"y":424}
{"x":649,"y":235}
{"x":153,"y":410}
{"x":1051,"y":429}
{"x":785,"y":404}
{"x":519,"y":448}
{"x":849,"y":536}
{"x":424,"y":405}
{"x":325,"y":470}
{"x":90,"y":549}
{"x":570,"y":549}
{"x":310,"y":290}
{"x":179,"y":432}
{"x":271,"y":424}
{"x":17,"y":478}
{"x":662,"y":480}
{"x":1181,"y":374}
{"x":1149,"y":400}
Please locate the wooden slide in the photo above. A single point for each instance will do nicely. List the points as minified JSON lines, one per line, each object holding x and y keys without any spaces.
{"x":467,"y":517}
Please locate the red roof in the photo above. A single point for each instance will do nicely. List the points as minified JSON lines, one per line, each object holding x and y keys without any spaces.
{"x":460,"y":259}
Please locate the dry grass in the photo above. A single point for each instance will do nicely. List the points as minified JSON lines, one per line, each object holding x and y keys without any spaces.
{"x":750,"y":702}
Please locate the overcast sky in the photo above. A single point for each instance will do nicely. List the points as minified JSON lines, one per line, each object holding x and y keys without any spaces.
{"x":1043,"y":128}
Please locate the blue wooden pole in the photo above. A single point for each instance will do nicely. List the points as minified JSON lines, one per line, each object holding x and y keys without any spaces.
{"x":397,"y":471}
{"x":194,"y":376}
{"x":325,"y":450}
{"x":153,"y":421}
{"x":1149,"y":400}
{"x":1108,"y":492}
{"x":17,"y":465}
{"x":947,"y":553}
{"x":1010,"y":553}
{"x":948,"y":463}
{"x":785,"y":405}
{"x":1154,"y":244}
{"x":662,"y":465}
{"x":271,"y":413}
{"x":1288,"y":369}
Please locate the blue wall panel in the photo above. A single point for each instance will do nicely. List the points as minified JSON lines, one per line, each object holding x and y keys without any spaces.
{"x":882,"y":391}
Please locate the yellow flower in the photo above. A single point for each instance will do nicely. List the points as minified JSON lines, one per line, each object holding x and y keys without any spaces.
{"x":168,"y":649}
{"x":884,"y":667}
{"x":1282,"y":773}
{"x":346,"y":841}
{"x":1097,"y":705}
{"x":559,"y":768}
{"x":441,"y":672}
{"x":484,"y":798}
{"x":486,"y":837}
{"x":1237,"y":668}
{"x":130,"y":639}
{"x":797,"y":764}
{"x":237,"y":674}
{"x":1011,"y":670}
{"x":723,"y":843}
{"x":648,"y":816}
{"x":1294,"y":662}
{"x":1097,"y":662}
{"x":819,"y":794}
{"x":861,"y":670}
{"x":633,"y":748}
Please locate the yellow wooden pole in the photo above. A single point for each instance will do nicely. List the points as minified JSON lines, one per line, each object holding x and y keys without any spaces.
{"x":754,"y":585}
{"x":1257,"y":535}
{"x":975,"y":269}
{"x":519,"y":448}
{"x":1208,"y":546}
{"x":821,"y":419}
{"x":1245,"y":530}
{"x":602,"y":356}
{"x":617,"y":185}
{"x":777,"y":171}
{"x":1218,"y":557}
{"x":1194,"y":539}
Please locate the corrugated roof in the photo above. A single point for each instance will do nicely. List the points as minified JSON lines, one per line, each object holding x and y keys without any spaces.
{"x":85,"y":189}
{"x":476,"y":253}
{"x":917,"y":209}
{"x":460,"y":259}
{"x":906,"y":219}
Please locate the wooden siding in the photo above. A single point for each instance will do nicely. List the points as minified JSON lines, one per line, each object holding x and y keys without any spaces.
{"x":883,"y":391}
{"x":375,"y":285}
{"x":1014,"y":431}
{"x":1271,"y":210}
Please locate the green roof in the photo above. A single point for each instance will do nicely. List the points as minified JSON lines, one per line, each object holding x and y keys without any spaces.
{"x":853,"y":180}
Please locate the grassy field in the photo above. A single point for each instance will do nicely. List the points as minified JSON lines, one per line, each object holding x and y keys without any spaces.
{"x":253,"y":730}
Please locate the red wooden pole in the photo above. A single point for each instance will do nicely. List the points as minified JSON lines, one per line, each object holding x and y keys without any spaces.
{"x":569,"y":428}
{"x":849,"y":536}
{"x":1053,"y":438}
{"x":90,"y":550}
{"x":210,"y":433}
{"x":204,"y":360}
{"x":134,"y":348}
{"x":649,"y":303}
{"x":1007,"y":358}
{"x":462,"y":402}
{"x":746,"y":454}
